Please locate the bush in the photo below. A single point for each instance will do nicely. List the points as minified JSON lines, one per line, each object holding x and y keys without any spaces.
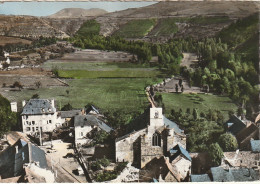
{"x":105,"y":176}
{"x":67,"y":107}
{"x":228,"y":142}
{"x":216,"y":153}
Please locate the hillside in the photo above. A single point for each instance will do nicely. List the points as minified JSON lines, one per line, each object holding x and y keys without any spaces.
{"x":28,"y":27}
{"x":113,"y":22}
{"x":78,"y":13}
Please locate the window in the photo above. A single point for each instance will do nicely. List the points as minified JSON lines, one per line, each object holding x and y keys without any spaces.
{"x":81,"y":133}
{"x":156,"y":114}
{"x":33,"y":129}
{"x":26,"y":116}
{"x":28,"y":129}
{"x":156,"y":139}
{"x":37,"y":128}
{"x":27,"y":122}
{"x":49,"y":121}
{"x":33,"y":122}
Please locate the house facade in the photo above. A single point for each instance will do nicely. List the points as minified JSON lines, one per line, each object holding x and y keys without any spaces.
{"x":142,"y":146}
{"x":84,"y":124}
{"x":40,"y":114}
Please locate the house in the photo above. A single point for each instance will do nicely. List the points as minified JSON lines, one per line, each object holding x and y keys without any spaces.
{"x":86,"y":123}
{"x":68,"y":116}
{"x":180,"y":158}
{"x":40,"y":114}
{"x":15,"y":158}
{"x":200,"y":178}
{"x":153,"y":137}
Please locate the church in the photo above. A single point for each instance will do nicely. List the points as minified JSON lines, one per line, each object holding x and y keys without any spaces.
{"x":154,"y":139}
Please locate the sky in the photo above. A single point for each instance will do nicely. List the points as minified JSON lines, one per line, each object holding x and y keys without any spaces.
{"x":48,"y":8}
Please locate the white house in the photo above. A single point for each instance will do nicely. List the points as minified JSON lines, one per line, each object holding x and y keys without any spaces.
{"x":40,"y":114}
{"x":84,"y":124}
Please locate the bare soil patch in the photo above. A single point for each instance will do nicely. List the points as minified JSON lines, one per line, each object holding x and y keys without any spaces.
{"x":12,"y":40}
{"x":89,"y":55}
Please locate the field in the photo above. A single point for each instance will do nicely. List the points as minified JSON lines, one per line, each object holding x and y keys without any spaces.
{"x":12,"y":40}
{"x":165,"y":27}
{"x":89,"y":27}
{"x":203,"y":102}
{"x":136,"y":28}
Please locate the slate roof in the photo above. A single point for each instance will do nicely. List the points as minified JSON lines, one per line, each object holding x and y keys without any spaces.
{"x":255,"y":145}
{"x":242,"y":174}
{"x":177,"y":150}
{"x":37,"y":107}
{"x":243,"y":134}
{"x":200,"y":178}
{"x":69,"y":114}
{"x":172,"y":124}
{"x":237,"y":125}
{"x":11,"y":163}
{"x":88,"y":120}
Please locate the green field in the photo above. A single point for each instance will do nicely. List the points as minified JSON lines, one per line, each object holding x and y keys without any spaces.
{"x":209,"y":20}
{"x":108,"y":94}
{"x":89,"y":27}
{"x":203,"y":102}
{"x":165,"y":27}
{"x":136,"y":28}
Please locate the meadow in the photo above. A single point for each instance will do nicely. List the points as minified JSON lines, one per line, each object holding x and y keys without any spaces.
{"x":203,"y":102}
{"x":136,"y":28}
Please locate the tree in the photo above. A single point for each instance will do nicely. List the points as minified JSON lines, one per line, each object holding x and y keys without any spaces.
{"x":18,"y":84}
{"x":67,"y":107}
{"x":176,"y":88}
{"x":216,"y":153}
{"x":38,"y":84}
{"x":195,"y":114}
{"x":228,"y":142}
{"x":35,"y":96}
{"x":68,"y":92}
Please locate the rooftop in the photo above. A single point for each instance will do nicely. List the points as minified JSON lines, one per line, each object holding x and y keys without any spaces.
{"x":255,"y":145}
{"x":38,"y":106}
{"x":90,"y":120}
{"x":237,"y":125}
{"x":177,"y":150}
{"x":200,"y":178}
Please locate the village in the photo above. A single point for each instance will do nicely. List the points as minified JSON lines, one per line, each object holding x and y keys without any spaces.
{"x":156,"y":92}
{"x":69,"y":146}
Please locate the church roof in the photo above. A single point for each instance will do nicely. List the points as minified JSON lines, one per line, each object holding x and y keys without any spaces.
{"x":172,"y":124}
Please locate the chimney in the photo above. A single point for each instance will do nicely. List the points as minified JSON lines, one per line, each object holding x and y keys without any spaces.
{"x":16,"y":149}
{"x":23,"y":103}
{"x":52,"y":103}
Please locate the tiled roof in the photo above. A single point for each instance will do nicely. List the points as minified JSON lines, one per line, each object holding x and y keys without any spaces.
{"x":200,"y":178}
{"x":38,"y":106}
{"x":69,"y":114}
{"x":177,"y":150}
{"x":88,"y":120}
{"x":242,"y":174}
{"x":243,"y":134}
{"x":237,"y":125}
{"x":255,"y":145}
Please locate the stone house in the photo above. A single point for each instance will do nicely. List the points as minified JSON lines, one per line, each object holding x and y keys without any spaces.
{"x":15,"y":158}
{"x":152,"y":140}
{"x":84,"y":124}
{"x":40,"y":114}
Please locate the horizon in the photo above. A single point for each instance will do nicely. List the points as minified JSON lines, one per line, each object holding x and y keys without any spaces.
{"x":49,"y":8}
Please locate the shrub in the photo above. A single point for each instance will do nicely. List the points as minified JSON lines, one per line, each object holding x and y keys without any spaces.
{"x":228,"y":142}
{"x":216,"y":153}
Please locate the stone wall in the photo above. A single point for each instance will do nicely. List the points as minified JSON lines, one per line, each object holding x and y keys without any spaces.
{"x":124,"y":147}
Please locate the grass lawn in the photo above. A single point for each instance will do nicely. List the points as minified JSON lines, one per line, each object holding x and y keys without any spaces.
{"x":202,"y":102}
{"x":108,"y":94}
{"x":136,"y":28}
